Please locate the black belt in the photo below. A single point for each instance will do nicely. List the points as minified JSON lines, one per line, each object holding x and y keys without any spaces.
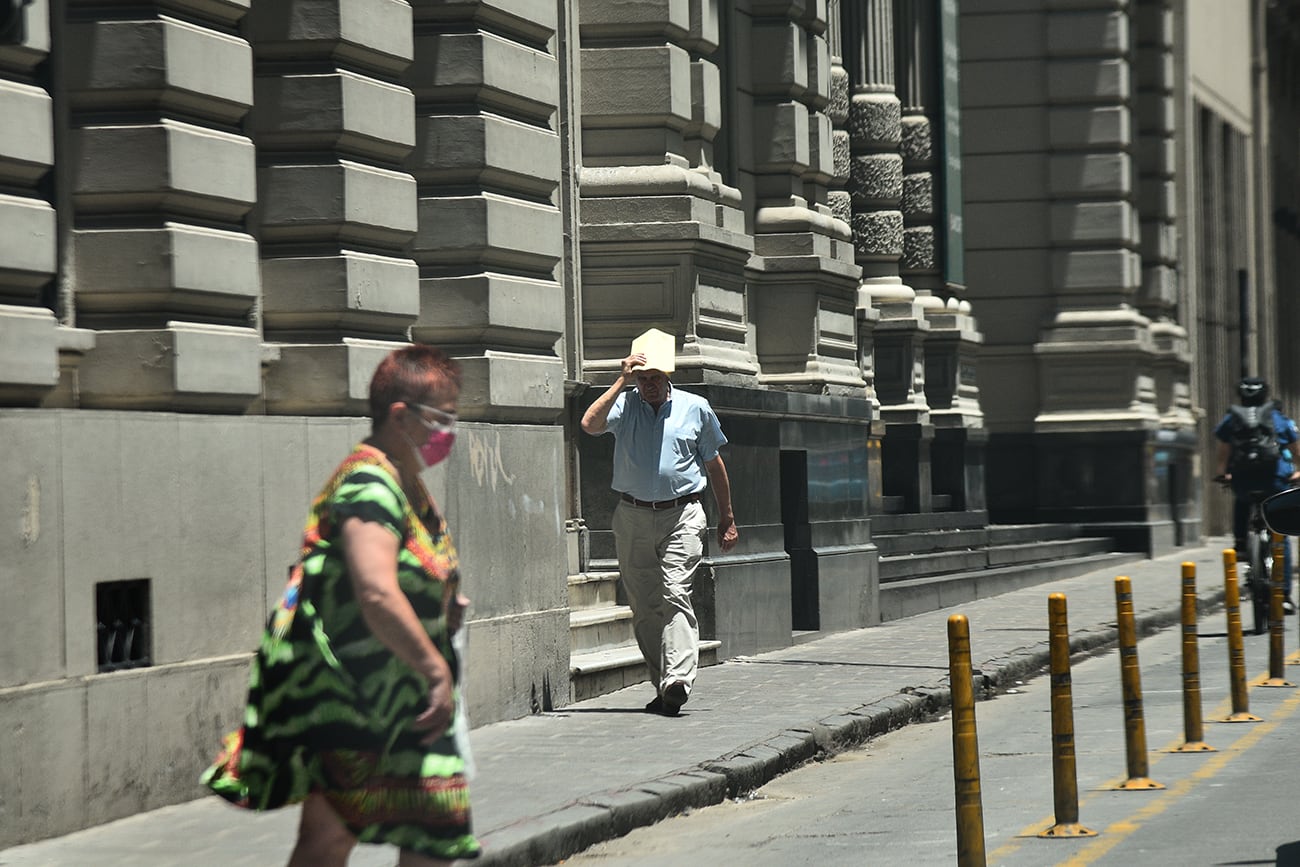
{"x":662,"y":504}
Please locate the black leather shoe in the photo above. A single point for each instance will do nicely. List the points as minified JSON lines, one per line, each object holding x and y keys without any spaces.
{"x":658,"y":706}
{"x":675,"y":696}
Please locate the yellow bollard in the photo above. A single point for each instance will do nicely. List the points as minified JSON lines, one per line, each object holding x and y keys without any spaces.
{"x":1276,"y":662}
{"x":1065,"y":784}
{"x":1193,"y":731}
{"x":1236,"y":650}
{"x":965,"y":746}
{"x":1135,"y":732}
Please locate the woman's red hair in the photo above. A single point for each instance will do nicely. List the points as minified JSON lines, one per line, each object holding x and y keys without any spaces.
{"x":412,"y":374}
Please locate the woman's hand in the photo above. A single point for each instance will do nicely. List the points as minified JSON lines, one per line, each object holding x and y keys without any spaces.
{"x":436,"y":718}
{"x":456,"y":613}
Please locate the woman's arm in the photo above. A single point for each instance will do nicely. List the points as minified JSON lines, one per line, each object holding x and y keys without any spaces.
{"x":370,"y":551}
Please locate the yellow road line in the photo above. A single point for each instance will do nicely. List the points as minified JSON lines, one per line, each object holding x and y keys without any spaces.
{"x":1122,"y":829}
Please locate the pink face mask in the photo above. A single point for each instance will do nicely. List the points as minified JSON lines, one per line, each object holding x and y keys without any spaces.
{"x":442,"y":436}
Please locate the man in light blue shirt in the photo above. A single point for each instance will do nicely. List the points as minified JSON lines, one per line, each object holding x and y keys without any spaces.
{"x":665,"y":455}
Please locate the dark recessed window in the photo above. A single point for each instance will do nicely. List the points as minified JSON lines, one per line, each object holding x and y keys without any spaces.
{"x":122,"y":625}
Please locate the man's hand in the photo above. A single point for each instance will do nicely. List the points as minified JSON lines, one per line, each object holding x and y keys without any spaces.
{"x":728,"y":535}
{"x":636,"y":359}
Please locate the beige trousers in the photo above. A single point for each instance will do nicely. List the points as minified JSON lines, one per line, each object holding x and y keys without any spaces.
{"x":658,"y":554}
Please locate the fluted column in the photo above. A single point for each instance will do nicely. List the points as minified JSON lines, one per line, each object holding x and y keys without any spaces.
{"x":336,"y":212}
{"x":876,"y":184}
{"x":161,"y":265}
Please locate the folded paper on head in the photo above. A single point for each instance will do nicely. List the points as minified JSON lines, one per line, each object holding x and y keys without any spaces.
{"x":659,"y":349}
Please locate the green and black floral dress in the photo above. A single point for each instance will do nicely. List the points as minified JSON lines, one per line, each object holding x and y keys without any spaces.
{"x":330,"y":708}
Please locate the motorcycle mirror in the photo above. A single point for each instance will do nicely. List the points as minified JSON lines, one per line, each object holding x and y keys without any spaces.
{"x":1282,"y":512}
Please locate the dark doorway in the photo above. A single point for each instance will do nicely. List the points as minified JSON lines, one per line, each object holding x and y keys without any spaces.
{"x":805,"y":614}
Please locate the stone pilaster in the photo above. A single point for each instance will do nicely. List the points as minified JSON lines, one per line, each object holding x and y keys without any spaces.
{"x":29,"y":355}
{"x":333,"y":123}
{"x":160,"y":264}
{"x":1095,"y":355}
{"x":803,"y":279}
{"x":663,"y":236}
{"x":487,"y":160}
{"x":1157,"y":209}
{"x":919,"y":67}
{"x":876,"y":186}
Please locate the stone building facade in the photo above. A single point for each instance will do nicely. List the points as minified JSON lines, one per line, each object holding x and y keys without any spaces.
{"x":934,"y":266}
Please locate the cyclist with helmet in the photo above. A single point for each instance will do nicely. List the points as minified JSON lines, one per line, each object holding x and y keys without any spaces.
{"x":1241,"y":466}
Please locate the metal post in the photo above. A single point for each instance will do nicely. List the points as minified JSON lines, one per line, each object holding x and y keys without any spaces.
{"x":1135,"y":732}
{"x":1193,"y":731}
{"x":1276,"y":662}
{"x":1065,"y":784}
{"x":965,"y":746}
{"x":1236,"y":650}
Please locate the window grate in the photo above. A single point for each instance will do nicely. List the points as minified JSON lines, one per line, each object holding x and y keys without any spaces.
{"x":122,"y":625}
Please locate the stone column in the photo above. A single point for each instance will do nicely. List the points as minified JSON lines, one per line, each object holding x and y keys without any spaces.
{"x":663,"y":237}
{"x":333,"y":124}
{"x":876,"y":184}
{"x":160,"y":178}
{"x":803,"y":278}
{"x":487,"y":160}
{"x":29,"y":350}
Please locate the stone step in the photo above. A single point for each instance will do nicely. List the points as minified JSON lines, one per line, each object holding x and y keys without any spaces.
{"x":908,"y":566}
{"x":593,"y":590}
{"x":599,"y":628}
{"x":912,"y":596}
{"x":603,"y":671}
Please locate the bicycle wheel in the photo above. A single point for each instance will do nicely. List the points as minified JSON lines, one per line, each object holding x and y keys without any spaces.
{"x":1261,"y":577}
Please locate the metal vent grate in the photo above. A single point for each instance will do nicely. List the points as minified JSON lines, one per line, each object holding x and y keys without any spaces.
{"x":122,"y":624}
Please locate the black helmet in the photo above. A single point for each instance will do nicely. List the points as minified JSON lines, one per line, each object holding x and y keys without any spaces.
{"x":1253,"y":391}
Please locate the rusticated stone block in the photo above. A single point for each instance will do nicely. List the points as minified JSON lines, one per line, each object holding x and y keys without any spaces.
{"x":1155,"y":112}
{"x":486,"y":150}
{"x":499,"y":74}
{"x":876,"y":178}
{"x":1093,"y":223}
{"x":169,"y":165}
{"x":1002,"y":36}
{"x":1088,"y":33}
{"x":161,"y":63}
{"x":918,"y":196}
{"x":841,"y":151}
{"x":339,"y":111}
{"x":917,"y":144}
{"x":706,"y":99}
{"x":875,"y":120}
{"x":325,"y":379}
{"x":331,"y":294}
{"x":1095,"y":269}
{"x":489,"y":230}
{"x":177,"y":270}
{"x":920,"y":249}
{"x":999,"y":224}
{"x":838,"y":105}
{"x":1158,"y":198}
{"x":778,"y":59}
{"x":878,"y":233}
{"x":371,"y":34}
{"x":668,"y":19}
{"x":1090,"y":175}
{"x":841,"y":205}
{"x":182,"y":366}
{"x":530,"y":386}
{"x":26,"y":135}
{"x":1004,"y":177}
{"x":1159,"y":242}
{"x":341,"y":202}
{"x":1003,"y":130}
{"x":1003,"y":83}
{"x":491,"y":309}
{"x":636,"y":86}
{"x":783,"y":141}
{"x":1088,"y":81}
{"x":29,"y":355}
{"x":1094,"y":127}
{"x":1160,"y":285}
{"x":821,"y":160}
{"x":819,"y":71}
{"x":28,"y":255}
{"x":533,"y":21}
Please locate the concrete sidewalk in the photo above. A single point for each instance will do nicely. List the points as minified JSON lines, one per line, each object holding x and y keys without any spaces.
{"x":554,"y":783}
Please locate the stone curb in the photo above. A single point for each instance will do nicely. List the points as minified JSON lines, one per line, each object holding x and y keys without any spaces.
{"x":595,"y":818}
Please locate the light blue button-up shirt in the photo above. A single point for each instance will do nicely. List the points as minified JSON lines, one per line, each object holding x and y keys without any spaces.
{"x":660,"y":455}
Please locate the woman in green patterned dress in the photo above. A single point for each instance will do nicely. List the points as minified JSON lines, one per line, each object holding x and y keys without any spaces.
{"x":352,"y":692}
